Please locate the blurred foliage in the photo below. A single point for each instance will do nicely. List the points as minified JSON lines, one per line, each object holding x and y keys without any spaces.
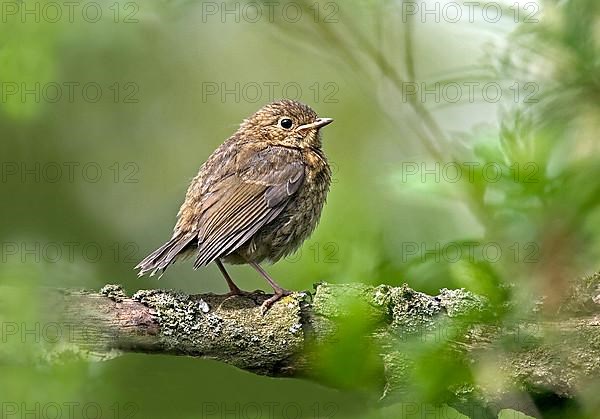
{"x":529,"y":165}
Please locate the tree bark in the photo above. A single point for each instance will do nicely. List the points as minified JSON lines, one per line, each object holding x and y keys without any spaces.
{"x":557,"y":355}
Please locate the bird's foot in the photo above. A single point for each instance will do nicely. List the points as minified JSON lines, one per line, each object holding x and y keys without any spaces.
{"x":279,"y":293}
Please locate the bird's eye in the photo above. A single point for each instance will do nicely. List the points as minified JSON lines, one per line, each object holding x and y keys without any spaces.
{"x":286,"y":123}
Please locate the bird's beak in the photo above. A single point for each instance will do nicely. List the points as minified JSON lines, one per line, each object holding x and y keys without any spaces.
{"x":319,"y":123}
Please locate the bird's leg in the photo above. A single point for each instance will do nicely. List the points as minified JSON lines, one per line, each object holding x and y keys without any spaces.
{"x":278,"y":290}
{"x":233,"y":289}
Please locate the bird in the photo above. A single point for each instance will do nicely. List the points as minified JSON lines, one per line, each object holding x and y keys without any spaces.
{"x":257,"y":197}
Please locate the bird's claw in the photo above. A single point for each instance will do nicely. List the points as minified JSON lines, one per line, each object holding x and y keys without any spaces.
{"x":268,"y":303}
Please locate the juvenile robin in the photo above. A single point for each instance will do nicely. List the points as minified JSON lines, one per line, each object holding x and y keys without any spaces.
{"x":257,"y":197}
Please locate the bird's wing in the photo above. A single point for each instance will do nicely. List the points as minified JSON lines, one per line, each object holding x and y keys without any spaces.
{"x":237,"y":206}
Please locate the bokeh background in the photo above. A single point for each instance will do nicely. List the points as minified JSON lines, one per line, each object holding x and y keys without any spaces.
{"x":456,"y":137}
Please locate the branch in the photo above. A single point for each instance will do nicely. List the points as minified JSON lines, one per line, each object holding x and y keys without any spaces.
{"x":543,"y":356}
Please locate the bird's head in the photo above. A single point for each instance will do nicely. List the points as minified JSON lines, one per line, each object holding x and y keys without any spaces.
{"x":287,"y":123}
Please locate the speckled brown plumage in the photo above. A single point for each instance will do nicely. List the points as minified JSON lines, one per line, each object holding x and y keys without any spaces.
{"x":257,"y":197}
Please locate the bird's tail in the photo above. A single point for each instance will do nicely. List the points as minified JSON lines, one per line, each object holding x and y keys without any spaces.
{"x":161,"y":258}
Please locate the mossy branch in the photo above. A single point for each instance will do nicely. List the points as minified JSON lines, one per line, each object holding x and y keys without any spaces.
{"x":555,"y":356}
